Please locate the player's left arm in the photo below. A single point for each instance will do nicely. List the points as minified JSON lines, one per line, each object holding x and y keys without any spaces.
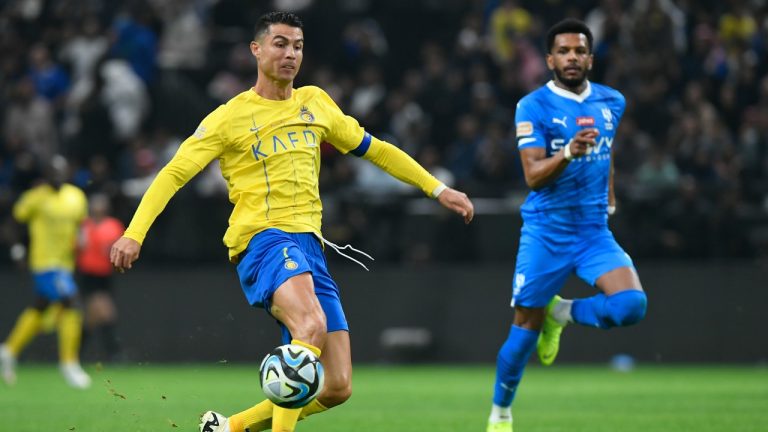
{"x":348,"y":136}
{"x":400,"y":165}
{"x":26,"y":206}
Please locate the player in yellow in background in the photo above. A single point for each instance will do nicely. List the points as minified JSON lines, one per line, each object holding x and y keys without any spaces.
{"x":53,"y":211}
{"x":267,"y":141}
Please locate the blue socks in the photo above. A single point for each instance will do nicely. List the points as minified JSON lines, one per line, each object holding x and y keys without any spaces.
{"x":621,"y":309}
{"x":510,"y":363}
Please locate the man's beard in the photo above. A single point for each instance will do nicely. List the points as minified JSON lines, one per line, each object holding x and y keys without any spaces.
{"x":570,"y":82}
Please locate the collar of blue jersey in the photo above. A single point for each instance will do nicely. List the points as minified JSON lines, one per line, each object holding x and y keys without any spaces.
{"x":581,"y":97}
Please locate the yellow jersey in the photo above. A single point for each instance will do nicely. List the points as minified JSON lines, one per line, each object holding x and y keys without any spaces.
{"x":54,"y":218}
{"x":269,"y":154}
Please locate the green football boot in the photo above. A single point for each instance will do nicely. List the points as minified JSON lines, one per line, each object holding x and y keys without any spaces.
{"x":549,"y":340}
{"x":505,"y":426}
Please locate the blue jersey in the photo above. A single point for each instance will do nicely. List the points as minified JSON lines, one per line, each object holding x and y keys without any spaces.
{"x":549,"y":117}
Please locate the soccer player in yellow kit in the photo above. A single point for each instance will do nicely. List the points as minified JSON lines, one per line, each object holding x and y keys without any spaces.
{"x":53,"y":212}
{"x":267,"y":140}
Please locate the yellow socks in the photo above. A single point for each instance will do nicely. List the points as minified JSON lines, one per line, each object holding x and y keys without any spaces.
{"x":26,"y":328}
{"x":284,"y":419}
{"x":256,"y":418}
{"x":70,"y":331}
{"x":259,"y":417}
{"x":313,"y":407}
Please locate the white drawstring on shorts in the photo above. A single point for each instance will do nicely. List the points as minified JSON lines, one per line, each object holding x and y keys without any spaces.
{"x":339,"y":249}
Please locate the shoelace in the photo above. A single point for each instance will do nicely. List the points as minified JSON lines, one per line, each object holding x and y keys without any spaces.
{"x":339,"y":249}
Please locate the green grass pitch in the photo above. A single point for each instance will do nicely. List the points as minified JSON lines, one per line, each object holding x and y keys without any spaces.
{"x":422,"y":398}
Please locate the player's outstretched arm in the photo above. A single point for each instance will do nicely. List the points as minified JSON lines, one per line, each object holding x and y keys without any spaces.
{"x":124,"y":252}
{"x":457,"y":202}
{"x":168,"y":181}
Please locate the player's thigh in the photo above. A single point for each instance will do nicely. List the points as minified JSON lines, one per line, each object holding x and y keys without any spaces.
{"x":602,"y":263}
{"x":296,"y":306}
{"x":619,"y":279}
{"x":326,"y":290}
{"x":540,"y":271}
{"x":89,"y":284}
{"x":100,"y":307}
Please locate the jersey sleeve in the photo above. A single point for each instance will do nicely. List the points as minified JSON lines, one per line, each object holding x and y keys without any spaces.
{"x":401,"y":166}
{"x":348,"y":136}
{"x":168,"y":181}
{"x":618,"y":105}
{"x":193,"y":155}
{"x":208,"y":140}
{"x":529,"y":130}
{"x":26,"y":205}
{"x":345,"y":133}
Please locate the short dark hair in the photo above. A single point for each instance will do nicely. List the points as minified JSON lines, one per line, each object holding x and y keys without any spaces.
{"x":269,"y":18}
{"x":568,"y":25}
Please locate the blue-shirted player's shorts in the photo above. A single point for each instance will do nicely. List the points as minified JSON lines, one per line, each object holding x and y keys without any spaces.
{"x":274,"y":256}
{"x":548,"y":254}
{"x":55,"y":285}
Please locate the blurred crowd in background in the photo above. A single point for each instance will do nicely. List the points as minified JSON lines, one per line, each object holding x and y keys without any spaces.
{"x":116,"y":86}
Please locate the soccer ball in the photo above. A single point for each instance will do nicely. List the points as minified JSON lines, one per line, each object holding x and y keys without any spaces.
{"x":291,"y":376}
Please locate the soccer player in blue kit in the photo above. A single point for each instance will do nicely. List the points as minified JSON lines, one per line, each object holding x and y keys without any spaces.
{"x":565,"y":134}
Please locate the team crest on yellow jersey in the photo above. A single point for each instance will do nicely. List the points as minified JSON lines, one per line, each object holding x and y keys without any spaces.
{"x":306,"y":115}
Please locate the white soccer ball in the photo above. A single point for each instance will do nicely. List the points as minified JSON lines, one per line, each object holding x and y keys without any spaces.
{"x":291,"y":376}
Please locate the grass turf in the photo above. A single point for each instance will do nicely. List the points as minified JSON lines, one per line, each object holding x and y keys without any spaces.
{"x":424,"y":398}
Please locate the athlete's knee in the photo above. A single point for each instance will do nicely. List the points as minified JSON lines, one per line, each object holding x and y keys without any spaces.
{"x":529,"y":318}
{"x":41,"y":304}
{"x":626,"y":308}
{"x":310,"y":329}
{"x":72,"y":302}
{"x":336,"y":392}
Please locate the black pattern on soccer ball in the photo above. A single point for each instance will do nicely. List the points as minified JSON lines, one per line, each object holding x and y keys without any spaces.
{"x":291,"y":376}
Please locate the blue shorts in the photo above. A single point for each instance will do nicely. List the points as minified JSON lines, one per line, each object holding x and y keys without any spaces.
{"x":55,"y":285}
{"x":549,"y":253}
{"x":274,"y":256}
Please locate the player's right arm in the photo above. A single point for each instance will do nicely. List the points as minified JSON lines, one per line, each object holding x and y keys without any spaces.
{"x":539,"y":169}
{"x":193,"y":155}
{"x":26,"y":205}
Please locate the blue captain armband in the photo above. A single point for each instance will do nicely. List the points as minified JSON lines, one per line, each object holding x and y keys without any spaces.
{"x":360,"y":150}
